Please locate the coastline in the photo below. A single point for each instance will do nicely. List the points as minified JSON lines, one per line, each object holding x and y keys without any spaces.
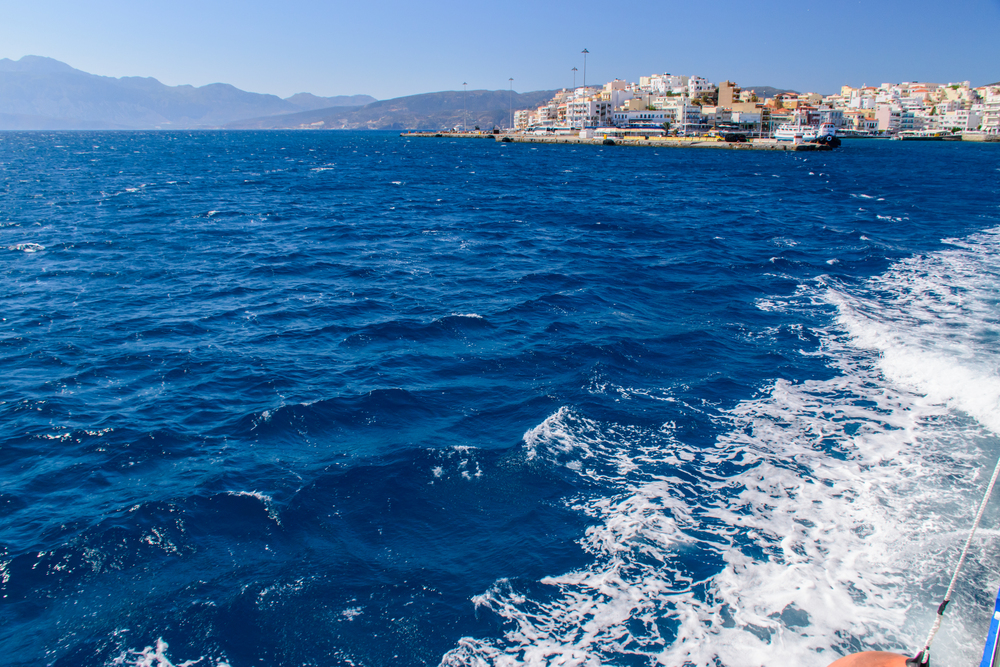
{"x":657,"y":142}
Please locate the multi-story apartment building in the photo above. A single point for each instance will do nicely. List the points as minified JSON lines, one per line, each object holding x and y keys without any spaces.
{"x":643,"y":118}
{"x":990,"y":113}
{"x":590,"y":111}
{"x":522,"y":119}
{"x":698,"y":86}
{"x":661,"y":84}
{"x":860,"y":120}
{"x":963,"y":119}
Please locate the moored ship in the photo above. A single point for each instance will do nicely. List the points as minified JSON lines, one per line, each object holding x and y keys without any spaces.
{"x":822,"y":133}
{"x":928,"y":135}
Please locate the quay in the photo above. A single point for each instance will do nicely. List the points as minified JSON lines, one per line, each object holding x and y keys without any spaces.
{"x":652,"y":141}
{"x":448,"y":134}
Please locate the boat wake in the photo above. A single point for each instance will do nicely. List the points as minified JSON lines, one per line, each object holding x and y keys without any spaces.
{"x":824,"y":519}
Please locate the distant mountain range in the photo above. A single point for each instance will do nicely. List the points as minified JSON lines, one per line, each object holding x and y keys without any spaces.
{"x":429,"y":111}
{"x":45,"y":94}
{"x":763,"y":92}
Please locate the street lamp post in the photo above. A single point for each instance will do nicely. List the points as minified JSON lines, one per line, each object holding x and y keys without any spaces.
{"x":465,"y":118}
{"x":511,"y":98}
{"x":575,"y":70}
{"x":585,"y":52}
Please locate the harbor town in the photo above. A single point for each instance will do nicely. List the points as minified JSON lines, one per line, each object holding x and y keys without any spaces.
{"x":669,"y":109}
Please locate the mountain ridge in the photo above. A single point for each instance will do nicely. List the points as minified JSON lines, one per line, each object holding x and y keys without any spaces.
{"x":424,"y":111}
{"x":58,"y":96}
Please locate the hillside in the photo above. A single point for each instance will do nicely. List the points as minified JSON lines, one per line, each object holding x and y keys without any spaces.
{"x":431,"y":111}
{"x":42,"y":93}
{"x":763,"y":92}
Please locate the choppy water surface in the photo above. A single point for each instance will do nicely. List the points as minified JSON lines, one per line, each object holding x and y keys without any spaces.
{"x":353,"y":399}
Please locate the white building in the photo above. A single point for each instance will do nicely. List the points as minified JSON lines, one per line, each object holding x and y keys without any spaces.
{"x":887,"y":118}
{"x":617,"y":93}
{"x":522,"y":119}
{"x":828,"y":115}
{"x":962,"y":119}
{"x":683,"y":116}
{"x":699,"y":86}
{"x":908,"y":122}
{"x":643,"y":118}
{"x":747,"y":120}
{"x":991,"y":114}
{"x":661,"y":84}
{"x":588,"y":112}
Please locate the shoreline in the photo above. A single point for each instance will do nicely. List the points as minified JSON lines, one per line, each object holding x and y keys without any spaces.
{"x":663,"y":142}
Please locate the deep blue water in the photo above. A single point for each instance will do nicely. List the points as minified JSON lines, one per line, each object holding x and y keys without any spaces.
{"x":347,"y":398}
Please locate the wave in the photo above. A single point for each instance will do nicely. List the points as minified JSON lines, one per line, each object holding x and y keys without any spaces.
{"x":823,"y":520}
{"x":157,"y":656}
{"x":27,"y":247}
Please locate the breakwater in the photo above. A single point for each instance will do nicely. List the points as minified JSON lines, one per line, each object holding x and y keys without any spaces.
{"x":656,"y":142}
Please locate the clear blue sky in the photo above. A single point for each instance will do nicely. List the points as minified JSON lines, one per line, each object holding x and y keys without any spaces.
{"x":389,"y":48}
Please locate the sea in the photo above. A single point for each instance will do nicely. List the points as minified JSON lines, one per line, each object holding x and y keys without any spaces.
{"x":354,"y":398}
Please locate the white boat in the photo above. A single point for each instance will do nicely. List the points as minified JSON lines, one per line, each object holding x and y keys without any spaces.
{"x":926,"y":135}
{"x":798,"y":132}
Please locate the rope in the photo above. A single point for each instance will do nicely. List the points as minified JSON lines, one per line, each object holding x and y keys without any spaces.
{"x":923,"y":656}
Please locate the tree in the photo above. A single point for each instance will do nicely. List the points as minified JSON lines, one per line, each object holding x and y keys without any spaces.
{"x":666,"y":126}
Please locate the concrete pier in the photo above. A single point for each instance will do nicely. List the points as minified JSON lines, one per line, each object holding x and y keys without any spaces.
{"x":451,"y":135}
{"x":980,"y":136}
{"x":653,"y":142}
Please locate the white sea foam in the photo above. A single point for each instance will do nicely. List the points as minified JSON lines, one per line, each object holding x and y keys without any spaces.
{"x":157,"y":657}
{"x":934,"y":322}
{"x":828,"y":515}
{"x":265,"y":500}
{"x":351,"y":613}
{"x":27,"y":247}
{"x":459,"y":460}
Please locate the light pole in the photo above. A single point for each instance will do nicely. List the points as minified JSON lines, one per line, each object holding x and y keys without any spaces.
{"x":575,"y":70}
{"x":511,"y":97}
{"x":585,"y":52}
{"x":465,"y":118}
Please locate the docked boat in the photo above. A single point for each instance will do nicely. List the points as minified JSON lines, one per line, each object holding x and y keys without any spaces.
{"x":822,"y":133}
{"x":927,"y":135}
